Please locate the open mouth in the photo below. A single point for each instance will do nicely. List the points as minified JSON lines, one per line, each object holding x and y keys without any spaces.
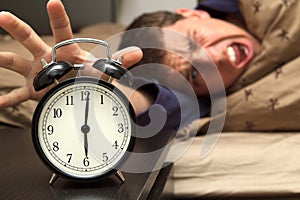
{"x":238,"y":54}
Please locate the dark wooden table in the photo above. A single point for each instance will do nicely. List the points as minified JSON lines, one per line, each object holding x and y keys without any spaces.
{"x":23,"y":176}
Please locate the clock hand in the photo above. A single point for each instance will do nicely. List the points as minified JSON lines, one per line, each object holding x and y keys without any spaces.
{"x":85,"y":128}
{"x":87,"y":105}
{"x":86,"y":144}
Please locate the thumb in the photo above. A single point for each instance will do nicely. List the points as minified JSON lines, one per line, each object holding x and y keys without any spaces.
{"x":131,"y":55}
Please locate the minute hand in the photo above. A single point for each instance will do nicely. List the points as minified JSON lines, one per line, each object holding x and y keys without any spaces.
{"x":87,"y":106}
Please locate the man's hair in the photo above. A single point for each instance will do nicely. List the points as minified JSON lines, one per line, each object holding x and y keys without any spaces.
{"x":139,"y":34}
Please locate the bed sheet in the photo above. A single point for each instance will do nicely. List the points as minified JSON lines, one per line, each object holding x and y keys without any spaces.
{"x":241,"y":165}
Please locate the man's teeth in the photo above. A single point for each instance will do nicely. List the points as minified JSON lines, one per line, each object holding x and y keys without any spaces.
{"x":245,"y":50}
{"x":231,"y":54}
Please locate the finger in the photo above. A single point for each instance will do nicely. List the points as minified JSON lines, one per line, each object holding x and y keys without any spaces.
{"x":14,"y":97}
{"x":131,"y":55}
{"x":23,"y":33}
{"x":15,"y":63}
{"x":59,"y":21}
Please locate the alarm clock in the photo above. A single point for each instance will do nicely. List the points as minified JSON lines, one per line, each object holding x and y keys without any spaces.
{"x":83,"y":127}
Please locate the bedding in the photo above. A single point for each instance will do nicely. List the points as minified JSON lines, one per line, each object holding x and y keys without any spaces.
{"x":257,"y":153}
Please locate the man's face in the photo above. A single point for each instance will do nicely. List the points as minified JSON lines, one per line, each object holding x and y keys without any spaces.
{"x":230,"y":48}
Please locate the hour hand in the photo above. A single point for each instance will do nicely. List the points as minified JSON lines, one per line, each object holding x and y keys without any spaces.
{"x":85,"y":129}
{"x":86,"y":145}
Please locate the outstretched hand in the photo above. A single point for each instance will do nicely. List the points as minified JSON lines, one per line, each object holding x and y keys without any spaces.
{"x":23,"y":33}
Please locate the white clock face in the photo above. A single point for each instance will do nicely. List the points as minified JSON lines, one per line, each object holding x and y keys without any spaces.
{"x":83,"y":129}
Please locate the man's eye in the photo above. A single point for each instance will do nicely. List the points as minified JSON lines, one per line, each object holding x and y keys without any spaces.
{"x":194,"y":74}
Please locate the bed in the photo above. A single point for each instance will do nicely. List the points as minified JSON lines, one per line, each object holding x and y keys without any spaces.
{"x":256,"y":157}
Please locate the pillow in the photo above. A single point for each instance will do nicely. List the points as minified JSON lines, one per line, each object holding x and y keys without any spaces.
{"x":275,"y":24}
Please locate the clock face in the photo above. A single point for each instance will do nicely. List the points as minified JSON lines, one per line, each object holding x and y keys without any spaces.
{"x":82,"y":128}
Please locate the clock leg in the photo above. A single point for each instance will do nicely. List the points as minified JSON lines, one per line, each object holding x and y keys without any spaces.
{"x":120,"y":176}
{"x":53,"y":178}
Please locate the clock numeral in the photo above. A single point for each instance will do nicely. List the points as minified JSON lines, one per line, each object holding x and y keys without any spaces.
{"x":69,"y":155}
{"x":57,"y":113}
{"x":101,"y":99}
{"x":121,"y":128}
{"x":69,"y":100}
{"x":105,"y":157}
{"x":86,"y":162}
{"x":50,"y":129}
{"x":55,"y":146}
{"x":115,"y":144}
{"x":85,"y":95}
{"x":115,"y":111}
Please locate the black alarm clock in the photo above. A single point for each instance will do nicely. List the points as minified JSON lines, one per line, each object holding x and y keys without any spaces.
{"x":83,"y":127}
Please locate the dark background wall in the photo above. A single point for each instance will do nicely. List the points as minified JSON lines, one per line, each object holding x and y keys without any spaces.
{"x":81,"y":12}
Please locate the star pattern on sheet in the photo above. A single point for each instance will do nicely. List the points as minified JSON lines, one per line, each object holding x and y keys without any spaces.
{"x":273,"y":103}
{"x":256,"y":6}
{"x":283,"y":34}
{"x":248,"y":93}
